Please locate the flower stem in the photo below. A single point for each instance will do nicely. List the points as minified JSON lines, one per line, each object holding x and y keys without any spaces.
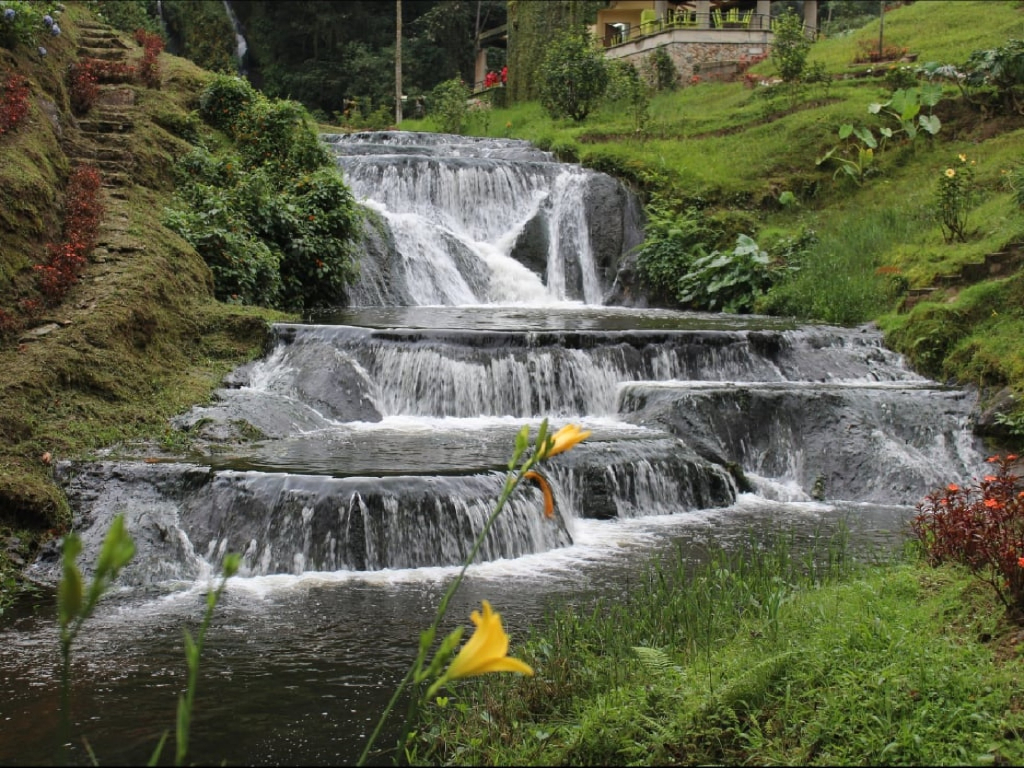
{"x":511,"y":481}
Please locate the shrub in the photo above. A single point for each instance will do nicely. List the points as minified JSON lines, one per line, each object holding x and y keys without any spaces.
{"x":13,"y":102}
{"x":25,"y":23}
{"x":448,"y":105}
{"x":728,"y":281}
{"x":279,"y":133}
{"x":627,"y":88}
{"x":82,"y":212}
{"x":111,"y":71}
{"x":791,"y":47}
{"x":275,"y":222}
{"x":84,"y":85}
{"x":980,"y":527}
{"x":574,"y":76}
{"x":1001,"y":70}
{"x":149,"y":67}
{"x":661,"y":71}
{"x":225,"y":100}
{"x":675,"y":237}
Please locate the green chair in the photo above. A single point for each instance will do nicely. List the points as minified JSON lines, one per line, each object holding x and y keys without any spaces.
{"x":648,"y":21}
{"x":716,"y":18}
{"x":747,"y":18}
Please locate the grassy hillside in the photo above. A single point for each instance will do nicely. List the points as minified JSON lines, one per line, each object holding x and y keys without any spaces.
{"x":734,"y":152}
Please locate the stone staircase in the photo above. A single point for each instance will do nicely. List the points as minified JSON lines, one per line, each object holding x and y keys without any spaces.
{"x":998,"y":264}
{"x":102,"y":138}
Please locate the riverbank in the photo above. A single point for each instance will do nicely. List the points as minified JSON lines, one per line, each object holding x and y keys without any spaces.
{"x":757,"y":660}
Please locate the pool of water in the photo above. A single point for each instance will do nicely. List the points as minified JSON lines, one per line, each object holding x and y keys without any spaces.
{"x":297,"y":669}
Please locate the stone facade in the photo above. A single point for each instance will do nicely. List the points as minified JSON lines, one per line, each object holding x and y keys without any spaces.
{"x":707,"y":60}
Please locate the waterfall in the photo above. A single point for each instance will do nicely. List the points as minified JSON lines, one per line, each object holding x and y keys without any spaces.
{"x":486,"y":221}
{"x":241,"y":46}
{"x":377,"y":436}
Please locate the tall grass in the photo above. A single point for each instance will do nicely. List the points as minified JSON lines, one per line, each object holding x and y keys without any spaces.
{"x":756,"y":657}
{"x":838,"y":281}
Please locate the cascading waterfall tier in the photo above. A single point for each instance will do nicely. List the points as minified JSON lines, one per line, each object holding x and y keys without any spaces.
{"x":484,"y":221}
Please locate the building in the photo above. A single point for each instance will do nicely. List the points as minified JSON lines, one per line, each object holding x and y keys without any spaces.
{"x":704,"y":38}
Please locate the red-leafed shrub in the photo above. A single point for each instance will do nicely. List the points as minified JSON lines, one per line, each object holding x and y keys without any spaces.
{"x":980,"y":527}
{"x":112,"y":71}
{"x":149,"y":67}
{"x":81,"y":226}
{"x":13,"y":102}
{"x":84,"y":84}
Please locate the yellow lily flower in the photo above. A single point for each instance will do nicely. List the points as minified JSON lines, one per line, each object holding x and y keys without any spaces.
{"x":487,"y":650}
{"x":549,"y":500}
{"x":564,"y":439}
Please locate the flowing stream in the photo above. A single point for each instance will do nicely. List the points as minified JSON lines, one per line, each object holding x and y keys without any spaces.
{"x":355,"y":463}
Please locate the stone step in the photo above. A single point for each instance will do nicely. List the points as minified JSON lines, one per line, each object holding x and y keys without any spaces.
{"x":114,"y":167}
{"x":86,"y":141}
{"x":92,"y":125}
{"x":102,"y":40}
{"x":116,"y":179}
{"x":114,"y":98}
{"x":103,"y":54}
{"x":82,"y":150}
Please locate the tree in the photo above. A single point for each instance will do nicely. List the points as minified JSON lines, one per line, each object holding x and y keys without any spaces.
{"x":574,"y":76}
{"x":790,"y":49}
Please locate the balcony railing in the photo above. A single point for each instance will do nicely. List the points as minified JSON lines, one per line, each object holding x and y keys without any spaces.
{"x":691,"y":20}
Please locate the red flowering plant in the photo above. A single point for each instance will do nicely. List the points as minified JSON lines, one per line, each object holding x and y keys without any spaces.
{"x":84,"y":82}
{"x":981,"y":527}
{"x":13,"y":102}
{"x":81,"y":225}
{"x":149,"y":67}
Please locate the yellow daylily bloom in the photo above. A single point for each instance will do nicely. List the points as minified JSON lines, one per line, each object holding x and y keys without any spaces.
{"x":963,"y":158}
{"x":549,"y":500}
{"x":950,"y":173}
{"x":564,"y":439}
{"x":487,"y":650}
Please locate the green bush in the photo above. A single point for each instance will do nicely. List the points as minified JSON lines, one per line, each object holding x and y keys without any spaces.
{"x":661,"y":70}
{"x":574,"y":76}
{"x":313,"y":222}
{"x":628,"y":92}
{"x":674,"y":240}
{"x":22,"y":22}
{"x":245,"y":269}
{"x":280,"y":133}
{"x":225,"y":100}
{"x":447,"y":105}
{"x":273,"y":219}
{"x":129,"y":15}
{"x":726,"y":281}
{"x":790,"y":48}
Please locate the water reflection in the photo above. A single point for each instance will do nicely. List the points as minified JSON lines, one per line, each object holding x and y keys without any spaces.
{"x":298,"y":668}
